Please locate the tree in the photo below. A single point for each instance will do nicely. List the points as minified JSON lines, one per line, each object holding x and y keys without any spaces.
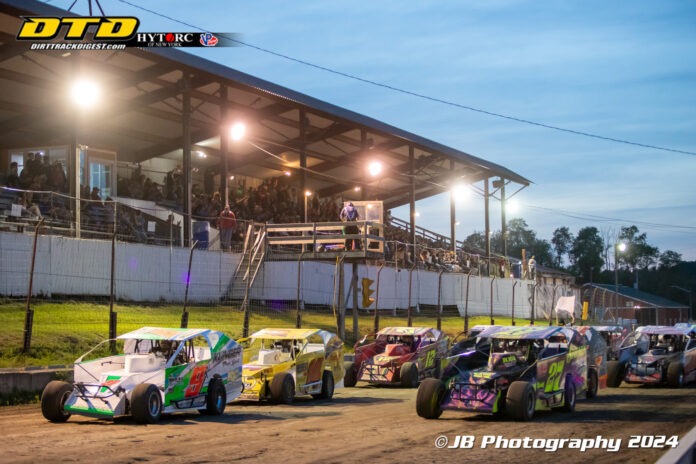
{"x":586,"y":253}
{"x":669,"y":259}
{"x":562,"y":240}
{"x":638,"y":254}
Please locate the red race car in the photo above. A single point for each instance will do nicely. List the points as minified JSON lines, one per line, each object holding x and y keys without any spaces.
{"x":404,"y":355}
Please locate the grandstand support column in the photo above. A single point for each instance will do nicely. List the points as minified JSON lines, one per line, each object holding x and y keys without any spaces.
{"x":298,"y":307}
{"x":224,"y":147}
{"x":412,"y":200}
{"x":376,"y":320}
{"x":486,"y":203}
{"x":185,"y":87}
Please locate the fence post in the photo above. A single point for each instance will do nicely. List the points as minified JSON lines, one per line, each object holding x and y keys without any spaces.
{"x":513,"y":300}
{"x":29,"y":316}
{"x":409,"y":319}
{"x":466,"y":303}
{"x":340,"y":312}
{"x":184,"y":313}
{"x":112,"y":315}
{"x":492,"y":280}
{"x":376,"y":321}
{"x":298,"y":308}
{"x":439,"y":301}
{"x":354,"y":287}
{"x":534,"y":287}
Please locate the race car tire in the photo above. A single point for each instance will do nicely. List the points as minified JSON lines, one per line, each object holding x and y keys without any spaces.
{"x":409,"y":375}
{"x":327,"y":387}
{"x":429,"y":397}
{"x":53,"y":400}
{"x":592,"y":383}
{"x":520,"y":401}
{"x":216,"y":400}
{"x":351,"y":377}
{"x":146,"y":403}
{"x":615,"y":373}
{"x":283,"y":388}
{"x":569,"y":397}
{"x":675,"y":374}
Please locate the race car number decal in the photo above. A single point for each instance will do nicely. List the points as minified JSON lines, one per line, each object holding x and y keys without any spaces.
{"x":554,"y":380}
{"x":197,"y":379}
{"x":429,"y":359}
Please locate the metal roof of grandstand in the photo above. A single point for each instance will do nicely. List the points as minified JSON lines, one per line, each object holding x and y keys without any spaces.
{"x":647,"y":298}
{"x":140,"y":118}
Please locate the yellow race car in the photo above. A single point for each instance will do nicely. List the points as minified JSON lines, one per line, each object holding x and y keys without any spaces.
{"x":280,"y":364}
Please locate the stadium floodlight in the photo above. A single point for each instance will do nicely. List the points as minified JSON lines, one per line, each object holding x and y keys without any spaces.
{"x":374,"y":168}
{"x":512,"y":206}
{"x":85,"y":93}
{"x":238,"y":131}
{"x":461,"y":191}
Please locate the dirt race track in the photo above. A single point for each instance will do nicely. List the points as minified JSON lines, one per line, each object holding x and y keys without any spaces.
{"x":364,"y":424}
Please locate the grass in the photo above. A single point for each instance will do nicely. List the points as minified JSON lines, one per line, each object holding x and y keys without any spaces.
{"x":64,"y":331}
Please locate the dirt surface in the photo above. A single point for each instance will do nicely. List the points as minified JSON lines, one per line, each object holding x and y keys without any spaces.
{"x":364,"y":424}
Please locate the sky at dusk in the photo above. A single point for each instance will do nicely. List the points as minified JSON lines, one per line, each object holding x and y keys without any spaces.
{"x":622,"y":70}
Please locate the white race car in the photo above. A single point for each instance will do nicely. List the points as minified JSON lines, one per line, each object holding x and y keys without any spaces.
{"x":157,"y":371}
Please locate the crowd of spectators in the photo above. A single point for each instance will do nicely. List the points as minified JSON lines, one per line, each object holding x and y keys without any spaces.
{"x":274,"y":200}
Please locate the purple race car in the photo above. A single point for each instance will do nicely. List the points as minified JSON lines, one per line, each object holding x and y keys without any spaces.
{"x":656,"y":354}
{"x":529,"y":369}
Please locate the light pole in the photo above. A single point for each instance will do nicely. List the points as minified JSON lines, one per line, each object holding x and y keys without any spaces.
{"x":618,"y":247}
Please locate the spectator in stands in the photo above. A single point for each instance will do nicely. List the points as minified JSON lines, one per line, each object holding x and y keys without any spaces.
{"x":227,"y":223}
{"x":350,"y":214}
{"x":138,"y":225}
{"x":12,"y":178}
{"x":532,"y":268}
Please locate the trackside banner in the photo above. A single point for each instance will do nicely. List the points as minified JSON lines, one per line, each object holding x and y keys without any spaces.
{"x":108,"y":32}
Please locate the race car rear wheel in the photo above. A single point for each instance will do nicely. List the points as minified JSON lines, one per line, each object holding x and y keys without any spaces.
{"x":520,"y":401}
{"x":216,"y":399}
{"x":283,"y":388}
{"x":53,"y":399}
{"x":409,"y":375}
{"x":569,"y":397}
{"x":675,"y":374}
{"x":327,"y":386}
{"x":430,"y":394}
{"x":615,"y":373}
{"x":351,"y":377}
{"x":592,"y":383}
{"x":146,"y":403}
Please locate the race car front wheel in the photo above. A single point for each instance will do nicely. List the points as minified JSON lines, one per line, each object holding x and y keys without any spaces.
{"x":53,"y":399}
{"x":615,"y":373}
{"x":283,"y":388}
{"x":675,"y":374}
{"x":146,"y":403}
{"x":569,"y":396}
{"x":216,"y":399}
{"x":430,"y":394}
{"x":409,"y":375}
{"x":520,"y":401}
{"x":327,"y":387}
{"x":592,"y":383}
{"x":351,"y":377}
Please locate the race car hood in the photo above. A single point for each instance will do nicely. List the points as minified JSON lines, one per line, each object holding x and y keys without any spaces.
{"x":255,"y":370}
{"x":650,"y":358}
